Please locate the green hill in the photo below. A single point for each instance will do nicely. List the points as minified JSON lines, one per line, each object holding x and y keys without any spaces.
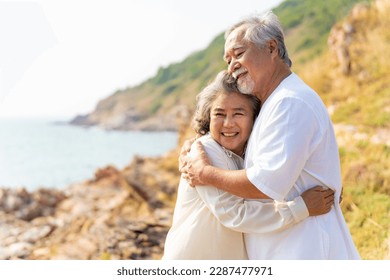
{"x":307,"y":24}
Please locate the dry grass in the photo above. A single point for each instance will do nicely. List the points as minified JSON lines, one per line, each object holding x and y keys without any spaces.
{"x":360,"y":103}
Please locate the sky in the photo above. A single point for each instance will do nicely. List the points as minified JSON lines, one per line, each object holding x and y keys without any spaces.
{"x":58,"y":58}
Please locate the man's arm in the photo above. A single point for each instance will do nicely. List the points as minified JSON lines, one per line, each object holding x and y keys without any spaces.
{"x":255,"y":216}
{"x":200,"y":172}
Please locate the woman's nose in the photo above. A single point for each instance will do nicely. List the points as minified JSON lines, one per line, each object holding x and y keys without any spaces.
{"x":228,"y":122}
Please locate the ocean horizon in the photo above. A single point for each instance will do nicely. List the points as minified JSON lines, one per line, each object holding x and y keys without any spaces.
{"x":50,"y":153}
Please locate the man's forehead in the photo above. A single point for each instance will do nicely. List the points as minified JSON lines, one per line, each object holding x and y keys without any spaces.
{"x":235,"y":40}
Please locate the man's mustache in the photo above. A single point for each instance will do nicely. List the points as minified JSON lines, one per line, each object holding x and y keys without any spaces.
{"x":238,"y":72}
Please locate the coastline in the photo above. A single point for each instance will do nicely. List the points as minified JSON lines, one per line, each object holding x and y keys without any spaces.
{"x":118,"y":214}
{"x":38,"y":153}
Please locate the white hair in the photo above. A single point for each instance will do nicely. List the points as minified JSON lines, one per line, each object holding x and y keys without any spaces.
{"x":262,"y":28}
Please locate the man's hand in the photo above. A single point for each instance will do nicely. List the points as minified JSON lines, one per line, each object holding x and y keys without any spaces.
{"x":196,"y":165}
{"x":318,"y":200}
{"x":185,"y":149}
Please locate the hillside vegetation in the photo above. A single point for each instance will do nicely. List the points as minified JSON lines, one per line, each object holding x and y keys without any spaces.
{"x":360,"y":105}
{"x":307,"y":24}
{"x":155,"y":103}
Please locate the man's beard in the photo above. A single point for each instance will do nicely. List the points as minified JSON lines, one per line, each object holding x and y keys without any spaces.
{"x":246,"y":84}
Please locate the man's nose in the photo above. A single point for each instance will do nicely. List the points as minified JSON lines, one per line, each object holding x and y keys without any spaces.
{"x":233,"y":66}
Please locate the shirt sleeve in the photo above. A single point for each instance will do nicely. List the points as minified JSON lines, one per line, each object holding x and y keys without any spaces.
{"x":288,"y":137}
{"x":249,"y":216}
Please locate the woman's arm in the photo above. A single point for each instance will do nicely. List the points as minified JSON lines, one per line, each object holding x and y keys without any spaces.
{"x":252,"y":216}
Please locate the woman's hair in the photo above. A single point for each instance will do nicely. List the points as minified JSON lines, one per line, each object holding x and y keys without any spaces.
{"x":222,"y":84}
{"x":261,"y":29}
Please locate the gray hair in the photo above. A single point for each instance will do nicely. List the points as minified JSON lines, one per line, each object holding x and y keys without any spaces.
{"x":262,"y":28}
{"x":222,"y":84}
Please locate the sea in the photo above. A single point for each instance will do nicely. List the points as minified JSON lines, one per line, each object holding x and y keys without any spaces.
{"x":48,"y":153}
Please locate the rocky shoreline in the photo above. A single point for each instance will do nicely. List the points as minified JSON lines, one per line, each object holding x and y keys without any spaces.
{"x":119,"y":214}
{"x":132,"y":120}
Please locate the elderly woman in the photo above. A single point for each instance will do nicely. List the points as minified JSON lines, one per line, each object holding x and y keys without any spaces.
{"x":208,"y":223}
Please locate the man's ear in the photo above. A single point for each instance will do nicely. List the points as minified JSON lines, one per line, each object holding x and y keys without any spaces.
{"x":273,"y":46}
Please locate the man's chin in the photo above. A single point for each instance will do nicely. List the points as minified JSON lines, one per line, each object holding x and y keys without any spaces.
{"x":245,"y":86}
{"x":245,"y":90}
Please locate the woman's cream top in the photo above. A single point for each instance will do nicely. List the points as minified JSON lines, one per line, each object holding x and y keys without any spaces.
{"x":208,"y":222}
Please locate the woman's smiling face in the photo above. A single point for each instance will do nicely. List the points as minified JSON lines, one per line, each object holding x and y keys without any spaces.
{"x":231,"y":121}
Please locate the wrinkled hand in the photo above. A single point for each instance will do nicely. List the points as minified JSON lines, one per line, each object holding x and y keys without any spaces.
{"x":195,"y":166}
{"x":318,"y":200}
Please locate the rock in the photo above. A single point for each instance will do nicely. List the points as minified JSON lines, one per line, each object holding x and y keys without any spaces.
{"x":35,"y":233}
{"x":339,"y":40}
{"x":16,"y":250}
{"x":382,"y":6}
{"x":107,"y":217}
{"x":28,"y":206}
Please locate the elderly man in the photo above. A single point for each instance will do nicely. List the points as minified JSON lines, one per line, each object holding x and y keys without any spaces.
{"x":292,"y":146}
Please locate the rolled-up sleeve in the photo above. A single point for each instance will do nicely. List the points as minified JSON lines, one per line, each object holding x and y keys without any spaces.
{"x":282,"y":151}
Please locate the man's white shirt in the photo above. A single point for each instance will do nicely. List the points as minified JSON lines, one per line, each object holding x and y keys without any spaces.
{"x":293,"y":148}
